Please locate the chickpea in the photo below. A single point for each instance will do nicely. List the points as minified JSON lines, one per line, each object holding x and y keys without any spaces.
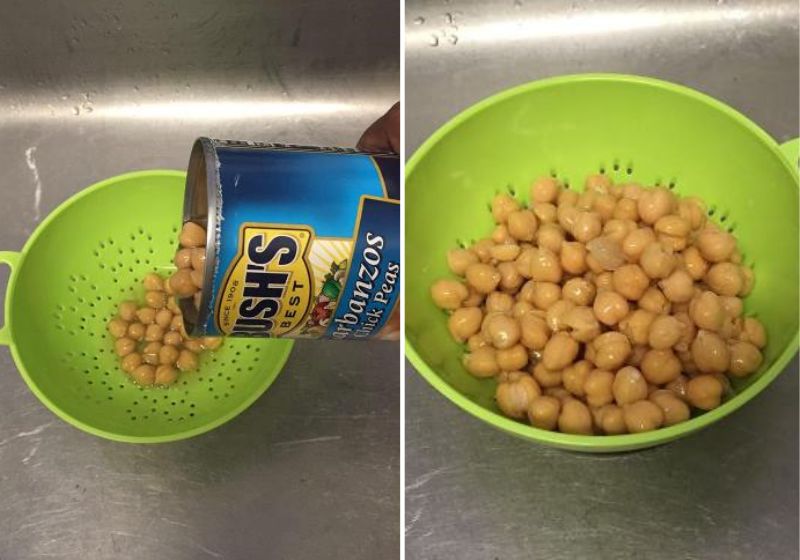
{"x":503,"y":205}
{"x":197,"y":278}
{"x":474,"y":299}
{"x":748,"y":280}
{"x":165,"y":375}
{"x":183,"y":259}
{"x":594,"y":265}
{"x":626,"y":209}
{"x":477,"y":341}
{"x":136,"y":331}
{"x":653,"y":300}
{"x":731,"y":306}
{"x":153,"y":333}
{"x":606,"y":253}
{"x":545,"y":266}
{"x":710,"y":353}
{"x":704,"y":392}
{"x":177,"y":324}
{"x":481,"y":250}
{"x":172,"y":304}
{"x":678,"y":287}
{"x":598,"y":183}
{"x":150,"y":352}
{"x":567,"y":198}
{"x":560,"y":351}
{"x":192,"y":235}
{"x":168,"y":354}
{"x":449,"y":294}
{"x":604,"y":205}
{"x":558,"y":393}
{"x":632,"y":190}
{"x":481,"y":362}
{"x":611,"y":419}
{"x":194,"y":345}
{"x":693,"y":211}
{"x":731,"y":327}
{"x":543,"y":412}
{"x":630,"y":281}
{"x":715,"y":245}
{"x":657,"y":262}
{"x":688,"y":332}
{"x":144,"y":375}
{"x":146,"y":315}
{"x":687,"y":362}
{"x":574,"y":377}
{"x":510,"y":278}
{"x":163,"y":318}
{"x":634,"y":243}
{"x":483,"y":277}
{"x":499,"y":302}
{"x":181,"y":283}
{"x":500,"y":236}
{"x":753,"y":332}
{"x":575,"y":418}
{"x":464,"y":322}
{"x":459,"y":259}
{"x":545,"y":212}
{"x":636,"y":326}
{"x":168,"y":290}
{"x":117,"y":327}
{"x":610,"y":307}
{"x":618,"y":230}
{"x":587,"y":200}
{"x":187,"y":361}
{"x":637,"y":355}
{"x":153,"y":282}
{"x":579,"y":291}
{"x":557,"y":313}
{"x":581,"y":324}
{"x":545,"y":377}
{"x":512,"y":359}
{"x":550,"y":237}
{"x":127,"y":311}
{"x":598,"y":387}
{"x":678,"y":386}
{"x":674,"y":409}
{"x":745,"y":358}
{"x":545,"y":294}
{"x":629,"y":386}
{"x":515,"y":393}
{"x":643,"y":416}
{"x":611,"y":349}
{"x":706,"y":311}
{"x":545,"y":189}
{"x":521,"y":308}
{"x":522,"y":225}
{"x":156,"y":300}
{"x":665,"y":332}
{"x":500,"y":330}
{"x":660,"y":366}
{"x":672,"y":225}
{"x":587,"y":226}
{"x":694,"y":263}
{"x":604,"y":281}
{"x":533,"y":332}
{"x":131,"y":362}
{"x":573,"y":257}
{"x":654,"y":204}
{"x":567,"y":216}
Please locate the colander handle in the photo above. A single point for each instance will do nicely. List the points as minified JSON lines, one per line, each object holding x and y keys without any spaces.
{"x":11,"y":259}
{"x":791,"y":149}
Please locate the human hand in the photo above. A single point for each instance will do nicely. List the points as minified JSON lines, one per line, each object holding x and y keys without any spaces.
{"x":384,"y":134}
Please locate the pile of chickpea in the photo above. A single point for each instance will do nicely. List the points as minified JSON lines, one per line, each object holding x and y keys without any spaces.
{"x":611,"y":311}
{"x":190,"y":259}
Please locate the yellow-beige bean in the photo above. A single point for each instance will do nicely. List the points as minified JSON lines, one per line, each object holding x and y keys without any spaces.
{"x":575,"y":418}
{"x":543,"y":412}
{"x":665,"y":332}
{"x":502,"y":205}
{"x":459,"y":259}
{"x":674,"y":409}
{"x":610,"y":307}
{"x":560,"y":351}
{"x":483,"y":277}
{"x":515,"y":393}
{"x":643,"y":416}
{"x":598,"y":387}
{"x":629,"y":386}
{"x":704,"y":392}
{"x":660,"y":366}
{"x":464,"y":322}
{"x":745,"y":358}
{"x":710,"y":353}
{"x":449,"y":294}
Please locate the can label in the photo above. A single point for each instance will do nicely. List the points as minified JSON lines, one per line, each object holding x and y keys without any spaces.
{"x":308,"y":244}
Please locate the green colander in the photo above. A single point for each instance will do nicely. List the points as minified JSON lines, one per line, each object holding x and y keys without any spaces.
{"x":86,"y":257}
{"x":631,"y":128}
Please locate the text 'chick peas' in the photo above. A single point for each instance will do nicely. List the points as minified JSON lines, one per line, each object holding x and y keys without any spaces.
{"x":616,"y":310}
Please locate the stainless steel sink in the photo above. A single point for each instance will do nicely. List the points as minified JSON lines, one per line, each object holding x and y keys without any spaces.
{"x":93,"y":88}
{"x":728,"y":492}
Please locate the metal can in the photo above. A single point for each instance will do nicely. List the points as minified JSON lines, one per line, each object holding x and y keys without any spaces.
{"x":302,"y":242}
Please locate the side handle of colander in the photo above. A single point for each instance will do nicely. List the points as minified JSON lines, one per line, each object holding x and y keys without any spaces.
{"x":11,"y":259}
{"x":791,"y":149}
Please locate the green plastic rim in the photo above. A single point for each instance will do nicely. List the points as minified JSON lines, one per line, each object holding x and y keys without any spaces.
{"x":135,"y":191}
{"x":596,"y":444}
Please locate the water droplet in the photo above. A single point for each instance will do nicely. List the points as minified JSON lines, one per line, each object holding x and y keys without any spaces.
{"x":419,"y":20}
{"x":135,"y":88}
{"x":249,"y":87}
{"x":453,"y":39}
{"x":434,"y":41}
{"x":88,"y":108}
{"x":76,"y":110}
{"x":64,"y":97}
{"x":448,"y":18}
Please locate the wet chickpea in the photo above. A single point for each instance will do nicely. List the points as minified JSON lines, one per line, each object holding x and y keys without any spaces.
{"x":604,"y":205}
{"x":194,"y":345}
{"x":687,"y":363}
{"x":694,"y":263}
{"x":483,"y":277}
{"x":183,"y":259}
{"x":165,"y":375}
{"x":610,"y":307}
{"x":605,"y":253}
{"x":567,"y":216}
{"x":163,"y":318}
{"x":168,"y":354}
{"x":731,"y":327}
{"x":131,"y":361}
{"x":477,"y":341}
{"x":745,"y":358}
{"x":643,"y":416}
{"x":629,"y":386}
{"x":534,"y":333}
{"x":753,"y":332}
{"x":502,"y":206}
{"x":153,"y":282}
{"x":748,"y":280}
{"x":653,"y":300}
{"x":172,"y":304}
{"x":630,"y":281}
{"x":482,"y":362}
{"x":464,"y":322}
{"x":545,"y":266}
{"x":636,"y":326}
{"x":521,"y":308}
{"x":657,"y":262}
{"x":557,"y":393}
{"x":212,"y":342}
{"x":449,"y":294}
{"x":136,"y":331}
{"x":654,"y":204}
{"x":611,"y":349}
{"x":181,"y":283}
{"x":546,"y":377}
{"x":586,"y":200}
{"x":459,"y":259}
{"x":611,"y":420}
{"x":693,"y":211}
{"x":127,"y":311}
{"x":192,"y":235}
{"x":688,"y":332}
{"x":637,"y":355}
{"x":579,"y":291}
{"x":665,"y":332}
{"x":500,"y":236}
{"x":674,"y":409}
{"x":550,"y":237}
{"x":144,"y":375}
{"x":587,"y":226}
{"x":710,"y":353}
{"x":575,"y":418}
{"x":545,"y":212}
{"x":522,"y":225}
{"x":146,"y":315}
{"x":574,"y":377}
{"x":678,"y":287}
{"x":474,"y":299}
{"x":510,"y":278}
{"x":560,"y":351}
{"x":660,"y":366}
{"x":512,"y":359}
{"x":581,"y":324}
{"x":672,"y":225}
{"x":634,"y":244}
{"x":501,"y":330}
{"x":678,"y":387}
{"x":150,"y":352}
{"x":706,"y":311}
{"x":515,"y":393}
{"x":177,"y":324}
{"x":543,"y":412}
{"x":481,"y":250}
{"x":117,"y":327}
{"x":153,"y":333}
{"x":567,"y":198}
{"x":715,"y":245}
{"x":187,"y":361}
{"x":626,"y":209}
{"x":499,"y":302}
{"x":599,"y":183}
{"x":545,"y":294}
{"x":618,"y":230}
{"x":573,"y":257}
{"x":556,"y":315}
{"x":704,"y":392}
{"x":199,"y":258}
{"x":197,"y":278}
{"x":156,"y":300}
{"x":598,"y":387}
{"x":545,"y":189}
